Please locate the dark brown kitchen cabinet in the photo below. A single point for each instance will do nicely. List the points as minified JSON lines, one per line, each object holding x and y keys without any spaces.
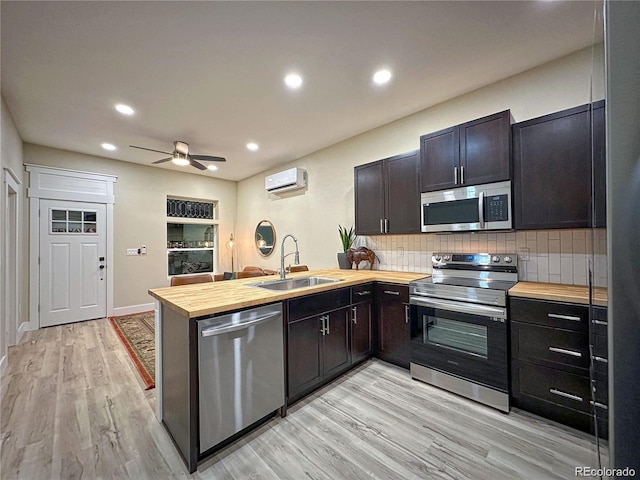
{"x":387,"y":196}
{"x":393,"y":336}
{"x":472,"y":153}
{"x":553,"y":157}
{"x":361,"y":322}
{"x":550,"y":360}
{"x":317,"y":340}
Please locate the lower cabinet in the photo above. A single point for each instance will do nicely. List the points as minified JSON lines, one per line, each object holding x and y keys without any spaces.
{"x":361,"y":323}
{"x":550,"y":360}
{"x":393,"y":335}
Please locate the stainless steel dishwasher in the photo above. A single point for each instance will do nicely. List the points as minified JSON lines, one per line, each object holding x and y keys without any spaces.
{"x":241,"y":371}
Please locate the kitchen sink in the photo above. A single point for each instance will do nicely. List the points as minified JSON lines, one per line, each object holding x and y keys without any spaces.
{"x":291,"y":283}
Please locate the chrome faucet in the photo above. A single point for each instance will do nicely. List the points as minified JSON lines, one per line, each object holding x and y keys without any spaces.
{"x":283,"y":256}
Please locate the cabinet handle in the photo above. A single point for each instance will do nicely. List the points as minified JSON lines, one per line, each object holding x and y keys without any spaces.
{"x":323,"y":329}
{"x":406,"y":314}
{"x":462,"y":175}
{"x":365,"y":292}
{"x":455,"y":175}
{"x":598,"y":404}
{"x":381,"y":225}
{"x":566,"y":395}
{"x":386,"y":225}
{"x":327,"y":324}
{"x":565,"y":352}
{"x":564,"y":317}
{"x":599,"y":322}
{"x":600,"y":359}
{"x":391,"y":292}
{"x":354,"y":313}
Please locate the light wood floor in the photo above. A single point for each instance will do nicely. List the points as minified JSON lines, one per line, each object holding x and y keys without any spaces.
{"x":72,"y":407}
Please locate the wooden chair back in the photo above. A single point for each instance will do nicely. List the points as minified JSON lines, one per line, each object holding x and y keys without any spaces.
{"x":298,"y":268}
{"x":200,"y":278}
{"x":250,"y":273}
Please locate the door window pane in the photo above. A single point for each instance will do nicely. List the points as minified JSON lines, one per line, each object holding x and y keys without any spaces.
{"x":74,"y":221}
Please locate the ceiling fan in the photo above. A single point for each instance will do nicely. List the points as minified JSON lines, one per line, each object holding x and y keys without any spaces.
{"x":181,"y":156}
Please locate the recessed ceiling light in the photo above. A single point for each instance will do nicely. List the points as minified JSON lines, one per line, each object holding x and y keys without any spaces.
{"x":381,"y":77}
{"x":108,"y":146}
{"x":252,"y":146}
{"x":125,"y":109}
{"x":293,"y":80}
{"x":213,"y":168}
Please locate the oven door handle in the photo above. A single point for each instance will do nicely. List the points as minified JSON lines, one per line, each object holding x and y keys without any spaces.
{"x":472,"y":309}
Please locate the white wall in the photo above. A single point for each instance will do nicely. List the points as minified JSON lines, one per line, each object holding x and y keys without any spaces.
{"x":140,"y":215}
{"x":313,"y":215}
{"x":11,"y":158}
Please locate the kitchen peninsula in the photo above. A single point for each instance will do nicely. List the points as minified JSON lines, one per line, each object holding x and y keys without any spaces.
{"x":182,"y":308}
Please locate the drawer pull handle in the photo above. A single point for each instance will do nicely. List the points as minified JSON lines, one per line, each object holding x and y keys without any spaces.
{"x":560,"y":393}
{"x":599,"y":405}
{"x":354,"y":314}
{"x":564,"y":317}
{"x":391,"y":292}
{"x":599,"y":322}
{"x":565,"y":352}
{"x":600,"y":359}
{"x":366,"y":292}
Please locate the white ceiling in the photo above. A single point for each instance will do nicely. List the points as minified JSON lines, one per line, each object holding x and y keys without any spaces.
{"x":211,"y":73}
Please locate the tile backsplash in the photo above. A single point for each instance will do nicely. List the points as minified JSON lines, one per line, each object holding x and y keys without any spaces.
{"x":555,"y":256}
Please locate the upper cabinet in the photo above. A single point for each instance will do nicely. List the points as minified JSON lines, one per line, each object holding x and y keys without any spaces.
{"x":387,"y":196}
{"x":473,"y":153}
{"x":553,"y":169}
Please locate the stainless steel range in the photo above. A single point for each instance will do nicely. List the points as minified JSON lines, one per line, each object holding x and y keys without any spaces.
{"x":459,"y":325}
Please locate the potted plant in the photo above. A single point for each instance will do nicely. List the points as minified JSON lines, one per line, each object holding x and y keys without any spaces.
{"x":347,"y":237}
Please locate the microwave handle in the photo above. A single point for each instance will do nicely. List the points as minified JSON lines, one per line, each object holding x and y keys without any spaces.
{"x":481,"y":209}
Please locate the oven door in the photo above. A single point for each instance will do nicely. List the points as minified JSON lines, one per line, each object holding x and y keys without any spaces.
{"x":463,"y":339}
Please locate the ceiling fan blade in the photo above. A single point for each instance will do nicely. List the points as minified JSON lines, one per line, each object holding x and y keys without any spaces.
{"x":150,"y":149}
{"x":161,"y":161}
{"x":198,"y":165}
{"x":208,"y":158}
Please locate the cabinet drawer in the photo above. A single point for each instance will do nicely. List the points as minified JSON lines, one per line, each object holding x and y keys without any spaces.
{"x":552,"y":347}
{"x":392,"y":291}
{"x":361,"y":293}
{"x":599,"y":321}
{"x":318,"y":303}
{"x":568,"y":316}
{"x":600,"y":347}
{"x":551,"y":385}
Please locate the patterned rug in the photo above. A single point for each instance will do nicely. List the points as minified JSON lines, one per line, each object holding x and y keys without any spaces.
{"x":137,"y":333}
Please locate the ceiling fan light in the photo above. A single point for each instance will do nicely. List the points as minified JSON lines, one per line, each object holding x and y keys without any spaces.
{"x":180,"y":161}
{"x":213,"y":168}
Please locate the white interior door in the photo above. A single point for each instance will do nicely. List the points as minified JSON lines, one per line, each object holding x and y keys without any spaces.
{"x":73,"y":283}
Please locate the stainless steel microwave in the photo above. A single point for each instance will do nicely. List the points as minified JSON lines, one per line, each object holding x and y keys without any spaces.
{"x":479,"y":207}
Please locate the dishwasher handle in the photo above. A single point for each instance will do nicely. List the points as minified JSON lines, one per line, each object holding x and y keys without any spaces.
{"x":219,"y":330}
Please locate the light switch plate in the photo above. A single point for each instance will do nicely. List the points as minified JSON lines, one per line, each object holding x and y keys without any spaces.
{"x":132,"y":252}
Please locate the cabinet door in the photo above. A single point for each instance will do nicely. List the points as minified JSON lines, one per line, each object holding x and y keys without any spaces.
{"x":393,"y":324}
{"x":552,"y":171}
{"x":336,"y":342}
{"x":402,"y":193}
{"x":485,"y":149}
{"x":369,"y":198}
{"x":361,"y":338}
{"x":304,"y":355}
{"x":439,"y":159}
{"x":599,"y":166}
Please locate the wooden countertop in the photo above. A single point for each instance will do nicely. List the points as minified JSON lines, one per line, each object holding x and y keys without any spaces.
{"x":210,"y":298}
{"x":559,"y":292}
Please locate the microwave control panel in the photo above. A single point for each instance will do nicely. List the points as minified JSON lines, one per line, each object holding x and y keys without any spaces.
{"x":496,"y":208}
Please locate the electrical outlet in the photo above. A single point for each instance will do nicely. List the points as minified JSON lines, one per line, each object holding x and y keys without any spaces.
{"x":523,"y":253}
{"x":132,"y":252}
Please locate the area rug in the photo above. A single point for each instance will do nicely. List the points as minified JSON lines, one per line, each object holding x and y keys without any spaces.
{"x":137,"y":333}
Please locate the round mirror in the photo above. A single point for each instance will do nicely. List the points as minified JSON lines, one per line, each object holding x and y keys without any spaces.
{"x":265,"y":238}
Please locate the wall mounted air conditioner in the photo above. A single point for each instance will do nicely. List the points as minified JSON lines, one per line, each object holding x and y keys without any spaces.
{"x":286,"y":180}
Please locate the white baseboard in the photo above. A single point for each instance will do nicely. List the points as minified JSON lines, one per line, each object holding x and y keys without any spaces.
{"x":3,"y":365}
{"x":24,"y":327}
{"x":145,"y":307}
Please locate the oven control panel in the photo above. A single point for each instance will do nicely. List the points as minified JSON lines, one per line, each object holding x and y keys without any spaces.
{"x":471,"y":260}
